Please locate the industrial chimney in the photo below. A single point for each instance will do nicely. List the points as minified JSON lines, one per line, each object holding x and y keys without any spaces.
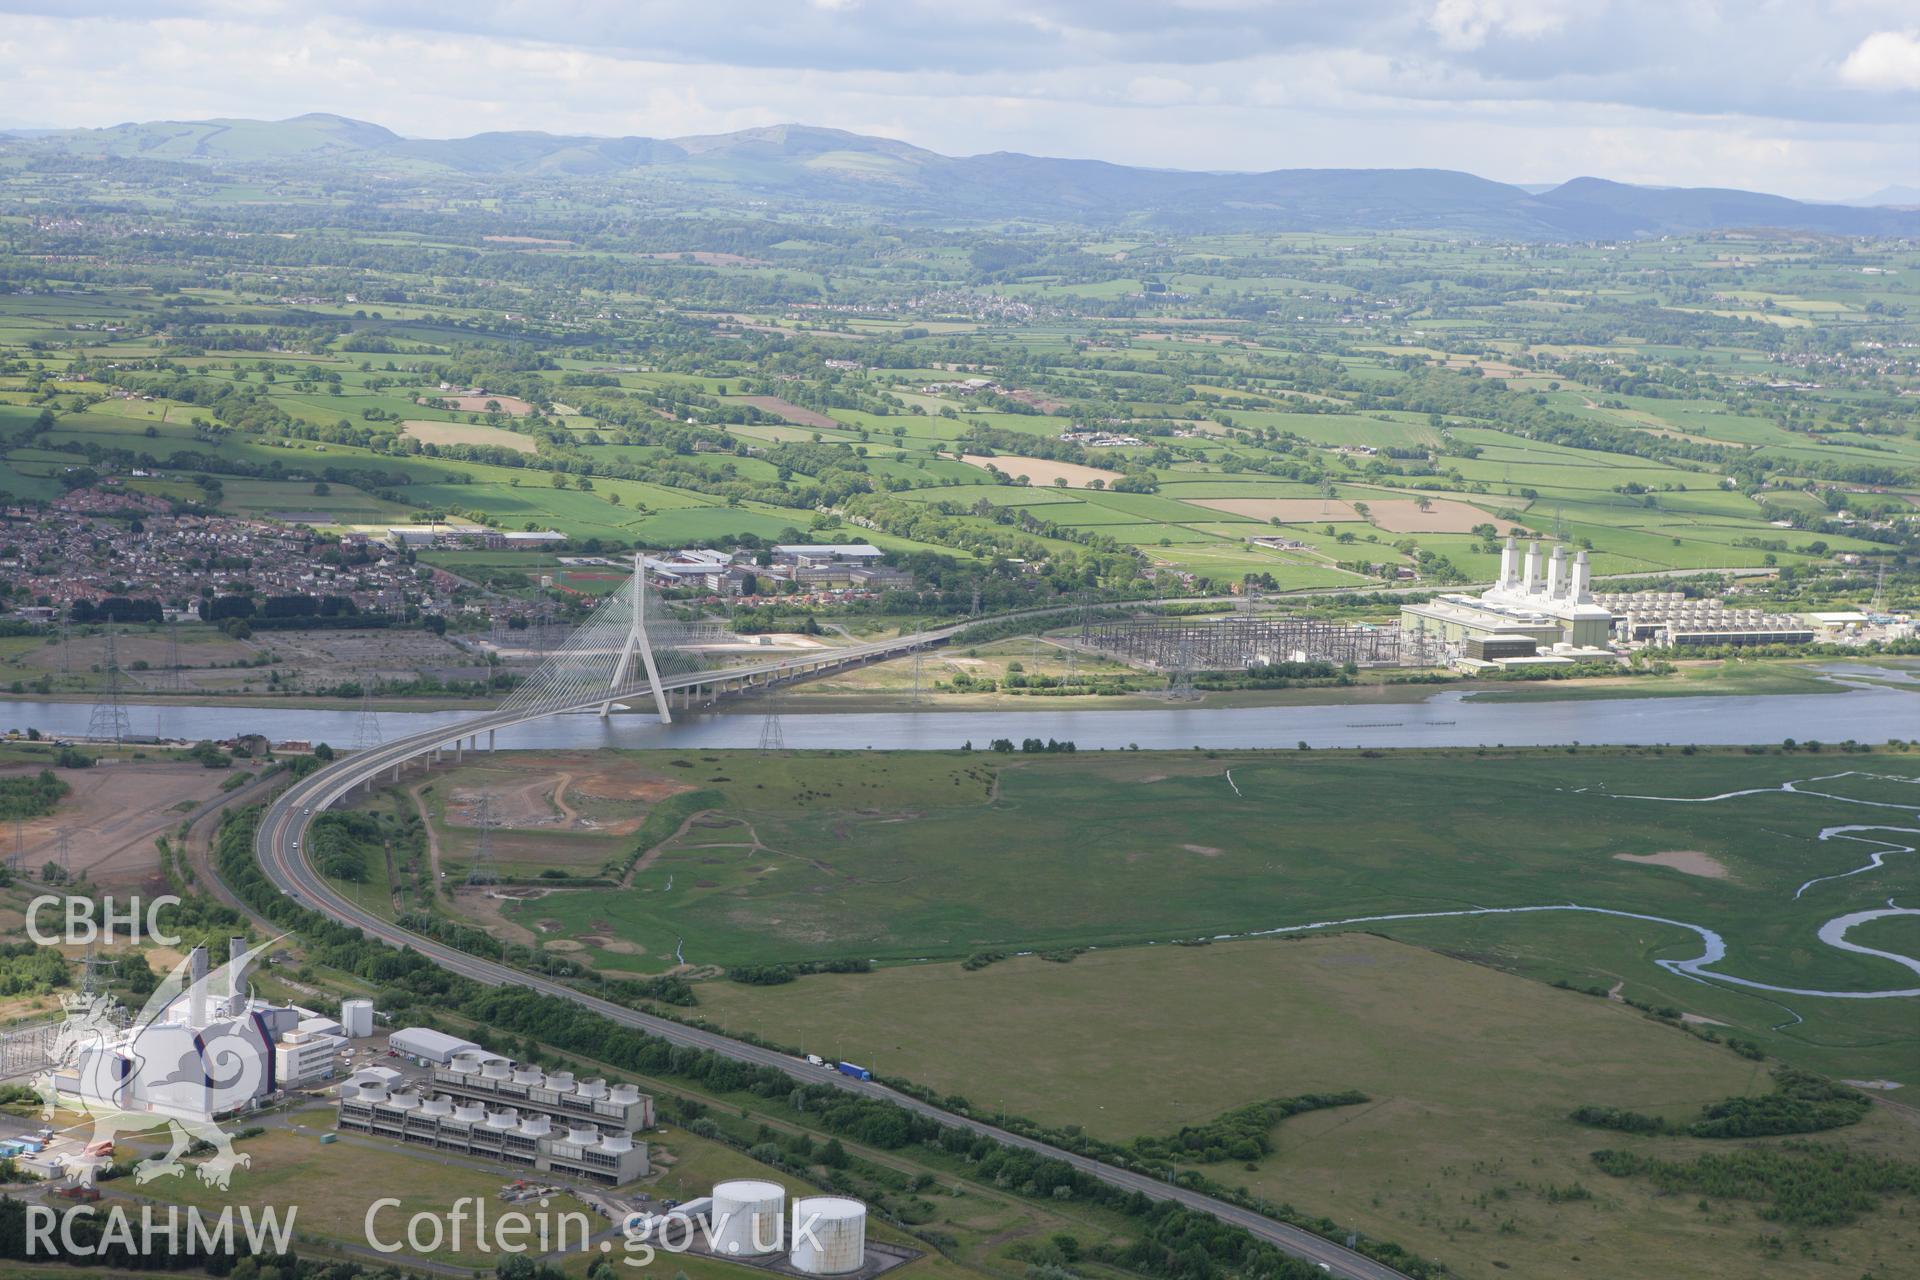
{"x":197,"y":986}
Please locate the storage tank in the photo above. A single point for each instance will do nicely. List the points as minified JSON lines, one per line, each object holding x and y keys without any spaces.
{"x":749,"y":1218}
{"x":829,"y":1235}
{"x":356,"y":1017}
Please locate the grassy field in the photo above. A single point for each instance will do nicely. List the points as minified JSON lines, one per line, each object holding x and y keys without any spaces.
{"x":908,"y":856}
{"x":1471,"y":1074}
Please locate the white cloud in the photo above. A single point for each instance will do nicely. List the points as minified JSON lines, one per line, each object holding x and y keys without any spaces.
{"x":1885,"y":60}
{"x":1466,"y":24}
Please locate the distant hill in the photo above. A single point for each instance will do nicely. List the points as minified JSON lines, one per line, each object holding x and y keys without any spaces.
{"x":1896,"y":196}
{"x":799,"y":163}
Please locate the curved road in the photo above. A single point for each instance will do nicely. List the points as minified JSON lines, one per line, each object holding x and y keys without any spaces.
{"x":277,"y":846}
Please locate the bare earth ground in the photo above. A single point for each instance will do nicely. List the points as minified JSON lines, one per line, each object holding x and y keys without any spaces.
{"x":1285,"y":510}
{"x":1689,"y":861}
{"x":112,"y":816}
{"x":467,"y":433}
{"x":330,"y":657}
{"x":1397,"y":515}
{"x":1042,"y":471}
{"x":792,"y":412}
{"x":85,"y":653}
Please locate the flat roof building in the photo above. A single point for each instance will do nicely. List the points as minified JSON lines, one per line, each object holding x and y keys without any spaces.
{"x":434,"y":1046}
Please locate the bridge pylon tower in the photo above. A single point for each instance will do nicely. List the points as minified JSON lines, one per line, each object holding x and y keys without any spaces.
{"x":636,"y":644}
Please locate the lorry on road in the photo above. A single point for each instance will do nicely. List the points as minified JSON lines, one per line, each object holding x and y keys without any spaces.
{"x":815,"y":1060}
{"x":855,"y":1070}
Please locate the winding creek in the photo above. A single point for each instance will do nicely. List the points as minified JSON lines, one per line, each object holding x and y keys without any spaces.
{"x":1863,"y":712}
{"x":1714,"y":947}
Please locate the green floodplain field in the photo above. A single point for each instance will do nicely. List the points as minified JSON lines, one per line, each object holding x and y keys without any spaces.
{"x":902,"y":857}
{"x":1464,"y":1150}
{"x":1080,"y":875}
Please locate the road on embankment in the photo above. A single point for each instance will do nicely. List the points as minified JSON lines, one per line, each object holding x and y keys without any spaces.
{"x":277,"y":846}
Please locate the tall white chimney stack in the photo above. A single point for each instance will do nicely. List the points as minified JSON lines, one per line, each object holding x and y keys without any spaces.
{"x":1557,"y":573}
{"x":1509,"y":563}
{"x":1531,"y":582}
{"x":1582,"y":579}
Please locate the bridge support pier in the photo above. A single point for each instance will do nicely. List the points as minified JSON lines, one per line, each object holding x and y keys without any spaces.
{"x":489,"y":740}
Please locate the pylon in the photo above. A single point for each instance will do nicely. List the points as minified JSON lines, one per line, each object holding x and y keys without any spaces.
{"x":174,"y":680}
{"x":109,"y":717}
{"x":366,"y":733}
{"x":772,"y":737}
{"x":1180,"y":683}
{"x":918,"y":675}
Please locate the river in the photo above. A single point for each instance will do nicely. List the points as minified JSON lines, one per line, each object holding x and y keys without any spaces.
{"x":1869,"y":714}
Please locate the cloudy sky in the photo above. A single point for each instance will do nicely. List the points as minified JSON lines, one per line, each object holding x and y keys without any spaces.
{"x":1812,"y":98}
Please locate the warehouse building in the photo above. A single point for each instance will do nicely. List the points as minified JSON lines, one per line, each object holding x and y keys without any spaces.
{"x":428,"y":1045}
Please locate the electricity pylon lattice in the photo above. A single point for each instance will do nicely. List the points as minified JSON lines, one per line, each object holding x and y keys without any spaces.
{"x":366,"y":732}
{"x":1180,"y":681}
{"x":480,"y":871}
{"x":772,"y":736}
{"x":919,"y":677}
{"x":175,"y":680}
{"x":108,"y":722}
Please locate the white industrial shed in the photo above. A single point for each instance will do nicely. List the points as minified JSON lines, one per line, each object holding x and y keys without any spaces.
{"x":434,"y":1046}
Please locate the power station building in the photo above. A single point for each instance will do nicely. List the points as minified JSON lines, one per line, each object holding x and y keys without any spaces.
{"x":479,"y":1103}
{"x":210,"y":1050}
{"x":505,"y":1134}
{"x":1542,"y":605}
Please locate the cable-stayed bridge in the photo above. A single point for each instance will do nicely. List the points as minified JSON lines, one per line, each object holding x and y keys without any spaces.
{"x":627,"y":651}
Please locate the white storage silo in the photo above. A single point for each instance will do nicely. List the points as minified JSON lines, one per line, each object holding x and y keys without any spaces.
{"x":749,"y":1218}
{"x":356,"y":1017}
{"x":829,"y":1235}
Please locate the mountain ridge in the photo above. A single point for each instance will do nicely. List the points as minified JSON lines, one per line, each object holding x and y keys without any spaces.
{"x":823,"y":165}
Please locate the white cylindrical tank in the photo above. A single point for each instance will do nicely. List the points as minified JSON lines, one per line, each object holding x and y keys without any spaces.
{"x":749,"y":1218}
{"x":829,"y":1235}
{"x":356,"y":1017}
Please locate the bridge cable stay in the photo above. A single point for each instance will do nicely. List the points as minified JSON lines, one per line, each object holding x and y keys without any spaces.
{"x":625,"y":646}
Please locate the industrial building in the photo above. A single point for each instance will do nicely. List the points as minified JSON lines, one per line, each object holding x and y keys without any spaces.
{"x":506,"y":1134}
{"x":212,"y":1050}
{"x":1670,"y":620}
{"x":479,"y":1076}
{"x":1542,"y":608}
{"x":428,"y":1045}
